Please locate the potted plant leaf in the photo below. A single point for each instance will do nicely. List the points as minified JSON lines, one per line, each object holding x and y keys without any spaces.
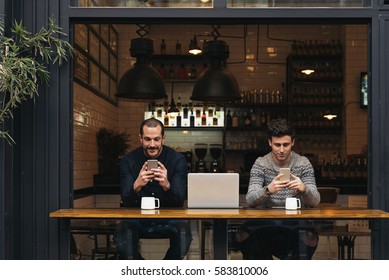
{"x":111,"y":146}
{"x":24,"y":60}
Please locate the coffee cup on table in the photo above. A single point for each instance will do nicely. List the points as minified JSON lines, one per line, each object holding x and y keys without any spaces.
{"x":292,"y":203}
{"x":149,"y":203}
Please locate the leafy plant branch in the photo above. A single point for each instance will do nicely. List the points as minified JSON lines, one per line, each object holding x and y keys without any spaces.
{"x":24,"y":61}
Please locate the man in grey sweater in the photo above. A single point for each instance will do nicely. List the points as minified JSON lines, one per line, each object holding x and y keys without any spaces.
{"x":266,"y":189}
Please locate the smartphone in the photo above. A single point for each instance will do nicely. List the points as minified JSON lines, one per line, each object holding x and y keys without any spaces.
{"x":152,"y":163}
{"x":285,"y":174}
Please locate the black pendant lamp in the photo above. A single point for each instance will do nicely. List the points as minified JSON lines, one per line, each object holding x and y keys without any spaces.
{"x":216,"y":84}
{"x":142,"y":82}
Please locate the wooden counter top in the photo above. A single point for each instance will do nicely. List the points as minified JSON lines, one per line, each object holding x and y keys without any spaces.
{"x":125,"y":213}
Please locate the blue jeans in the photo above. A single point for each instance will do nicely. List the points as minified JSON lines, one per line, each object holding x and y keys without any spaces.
{"x":129,"y":232}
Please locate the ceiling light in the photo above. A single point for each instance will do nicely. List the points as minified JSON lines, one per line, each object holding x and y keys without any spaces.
{"x":307,"y":71}
{"x":329,"y":115}
{"x":216,"y":84}
{"x":193,"y":47}
{"x":142,"y":82}
{"x":173,"y":110}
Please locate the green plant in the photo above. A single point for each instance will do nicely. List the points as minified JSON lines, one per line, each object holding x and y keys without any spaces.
{"x":24,"y":59}
{"x":111,"y":144}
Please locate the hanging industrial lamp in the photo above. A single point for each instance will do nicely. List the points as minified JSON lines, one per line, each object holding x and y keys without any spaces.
{"x":142,"y":82}
{"x":193,"y":47}
{"x":216,"y":84}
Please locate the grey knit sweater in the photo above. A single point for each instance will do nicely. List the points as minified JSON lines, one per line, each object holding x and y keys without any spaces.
{"x":263,"y":172}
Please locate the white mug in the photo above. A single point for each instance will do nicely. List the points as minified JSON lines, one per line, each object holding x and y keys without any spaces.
{"x":149,"y":203}
{"x":292,"y":203}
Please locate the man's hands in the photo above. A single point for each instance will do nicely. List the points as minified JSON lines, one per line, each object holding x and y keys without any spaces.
{"x":158,"y":174}
{"x":296,"y":184}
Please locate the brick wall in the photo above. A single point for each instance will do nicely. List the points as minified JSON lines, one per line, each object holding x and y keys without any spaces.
{"x":90,"y":114}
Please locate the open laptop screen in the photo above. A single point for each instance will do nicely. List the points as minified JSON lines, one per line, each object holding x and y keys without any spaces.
{"x":213,"y":190}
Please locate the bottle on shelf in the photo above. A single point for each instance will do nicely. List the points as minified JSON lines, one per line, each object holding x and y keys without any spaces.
{"x":263,"y":119}
{"x":163,"y":47}
{"x":185,"y":111}
{"x":172,"y":73}
{"x":178,"y":120}
{"x":159,"y":111}
{"x":179,"y":104}
{"x":178,"y":48}
{"x":166,"y":119}
{"x":228,"y":119}
{"x":182,"y":73}
{"x":235,"y":120}
{"x":192,"y":119}
{"x":203,"y":118}
{"x":247,"y":119}
{"x":253,"y":116}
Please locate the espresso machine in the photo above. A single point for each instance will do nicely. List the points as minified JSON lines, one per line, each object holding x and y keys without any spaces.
{"x":216,"y":152}
{"x":200,"y":150}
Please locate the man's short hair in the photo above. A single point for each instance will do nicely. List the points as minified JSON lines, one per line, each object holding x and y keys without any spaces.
{"x":152,"y":122}
{"x":280,"y":128}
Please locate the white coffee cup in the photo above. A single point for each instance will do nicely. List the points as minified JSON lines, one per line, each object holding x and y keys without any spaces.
{"x":149,"y":203}
{"x":292,"y":203}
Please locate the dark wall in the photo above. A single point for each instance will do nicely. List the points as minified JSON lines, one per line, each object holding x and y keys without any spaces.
{"x":41,"y":157}
{"x":379,"y":132}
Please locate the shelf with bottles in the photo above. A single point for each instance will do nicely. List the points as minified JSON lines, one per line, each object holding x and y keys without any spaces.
{"x":313,"y":117}
{"x":252,"y":117}
{"x":246,"y":141}
{"x":323,"y":58}
{"x":260,"y":97}
{"x":353,"y":166}
{"x":189,"y":116}
{"x":316,"y":93}
{"x":179,"y":68}
{"x":324,"y":68}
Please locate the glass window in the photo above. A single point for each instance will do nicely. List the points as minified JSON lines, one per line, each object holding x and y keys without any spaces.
{"x":94,"y":77}
{"x":93,"y":46}
{"x":143,"y":4}
{"x":95,"y":60}
{"x":80,"y":66}
{"x":104,"y":84}
{"x":299,"y":4}
{"x":80,"y":36}
{"x":104,"y":57}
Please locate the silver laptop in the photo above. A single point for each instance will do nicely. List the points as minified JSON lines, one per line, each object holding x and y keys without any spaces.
{"x":213,"y":190}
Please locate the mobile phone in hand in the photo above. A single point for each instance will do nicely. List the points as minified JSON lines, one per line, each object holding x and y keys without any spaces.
{"x":152,"y":163}
{"x":285,"y":174}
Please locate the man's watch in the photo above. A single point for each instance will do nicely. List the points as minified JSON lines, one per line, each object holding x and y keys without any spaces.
{"x":268,"y":193}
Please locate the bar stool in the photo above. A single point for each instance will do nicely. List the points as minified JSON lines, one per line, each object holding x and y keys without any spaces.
{"x":107,"y":250}
{"x":233,"y":244}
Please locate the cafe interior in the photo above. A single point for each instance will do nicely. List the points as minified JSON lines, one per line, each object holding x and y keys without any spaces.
{"x":313,"y":72}
{"x":262,"y":58}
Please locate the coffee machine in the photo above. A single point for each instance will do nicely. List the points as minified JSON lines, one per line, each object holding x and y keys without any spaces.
{"x":200,"y":150}
{"x":216,"y":152}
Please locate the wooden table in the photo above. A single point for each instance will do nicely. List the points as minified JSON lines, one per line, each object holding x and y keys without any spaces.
{"x":220,"y":217}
